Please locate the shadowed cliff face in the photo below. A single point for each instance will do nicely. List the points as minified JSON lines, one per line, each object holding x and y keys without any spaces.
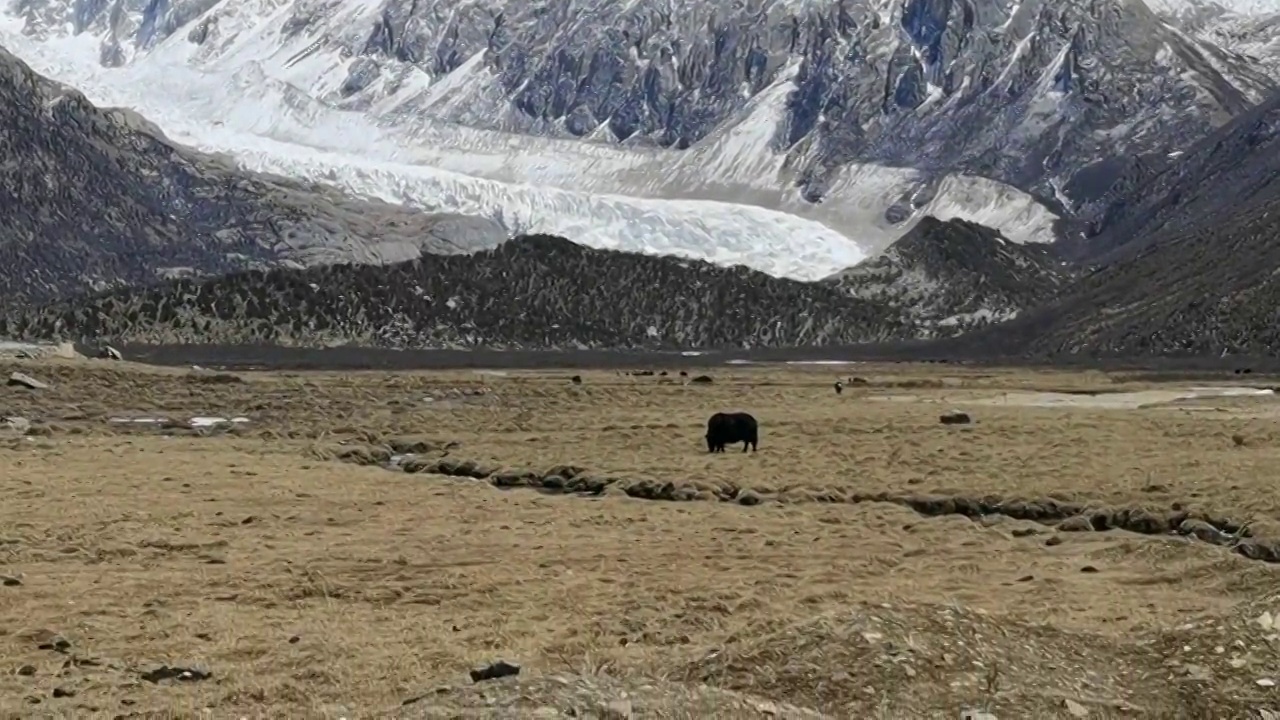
{"x":1040,"y":95}
{"x":93,"y":197}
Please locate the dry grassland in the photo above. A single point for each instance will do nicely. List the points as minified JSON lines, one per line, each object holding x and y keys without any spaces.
{"x":806,"y":580}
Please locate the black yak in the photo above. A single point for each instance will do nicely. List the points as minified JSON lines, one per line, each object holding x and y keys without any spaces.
{"x":727,"y":428}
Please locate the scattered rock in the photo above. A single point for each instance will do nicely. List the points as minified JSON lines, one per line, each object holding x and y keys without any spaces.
{"x":616,"y":710}
{"x":19,"y":425}
{"x":63,"y":692}
{"x":1088,"y":569}
{"x":576,"y":379}
{"x":749,"y":498}
{"x":1079,"y":523}
{"x":1202,"y":530}
{"x":955,"y":417}
{"x":9,"y":581}
{"x":24,"y":380}
{"x":49,"y":640}
{"x":27,"y":670}
{"x":181,"y":674}
{"x":1238,"y":439}
{"x":976,"y":715}
{"x":414,"y":464}
{"x":494,"y":671}
{"x":1055,"y":540}
{"x":1075,"y":708}
{"x":702,"y":380}
{"x":366,"y":455}
{"x":109,"y":353}
{"x":1259,"y":550}
{"x":513,"y":478}
{"x":566,"y":471}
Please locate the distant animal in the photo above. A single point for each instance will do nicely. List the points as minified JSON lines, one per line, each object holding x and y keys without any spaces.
{"x":576,"y":379}
{"x":728,"y":428}
{"x":839,"y":387}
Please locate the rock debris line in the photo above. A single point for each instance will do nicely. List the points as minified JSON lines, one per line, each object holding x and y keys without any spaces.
{"x":413,"y":456}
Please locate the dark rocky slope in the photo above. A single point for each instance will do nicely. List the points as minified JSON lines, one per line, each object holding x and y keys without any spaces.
{"x":1209,"y":292}
{"x":1233,"y":169}
{"x":953,"y":276}
{"x":532,"y":292}
{"x":93,"y":197}
{"x":1189,"y":267}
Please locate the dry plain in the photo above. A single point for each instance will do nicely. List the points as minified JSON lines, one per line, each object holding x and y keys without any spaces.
{"x":868,"y":561}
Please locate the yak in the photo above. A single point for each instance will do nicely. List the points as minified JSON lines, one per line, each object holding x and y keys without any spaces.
{"x":727,"y":428}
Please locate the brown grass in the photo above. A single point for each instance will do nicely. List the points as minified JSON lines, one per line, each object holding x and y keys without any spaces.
{"x":311,"y":587}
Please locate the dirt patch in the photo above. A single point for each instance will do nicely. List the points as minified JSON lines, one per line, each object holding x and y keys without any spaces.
{"x":915,"y":660}
{"x":595,"y":696}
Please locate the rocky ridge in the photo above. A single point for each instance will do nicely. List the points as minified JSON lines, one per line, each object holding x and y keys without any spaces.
{"x":99,"y":197}
{"x":954,"y":276}
{"x":531,"y":292}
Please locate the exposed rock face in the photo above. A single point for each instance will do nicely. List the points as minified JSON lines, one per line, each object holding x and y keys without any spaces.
{"x":1230,"y":172}
{"x":1054,"y":98}
{"x":1190,"y":267}
{"x":532,"y":292}
{"x":93,"y":197}
{"x":953,"y":276}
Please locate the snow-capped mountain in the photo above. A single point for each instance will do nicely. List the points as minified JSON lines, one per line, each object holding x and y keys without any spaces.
{"x":795,"y":136}
{"x":94,"y":198}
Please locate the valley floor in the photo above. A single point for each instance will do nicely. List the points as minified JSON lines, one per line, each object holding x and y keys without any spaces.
{"x":867,"y":561}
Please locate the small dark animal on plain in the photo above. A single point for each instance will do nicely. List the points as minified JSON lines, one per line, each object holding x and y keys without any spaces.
{"x":576,"y":379}
{"x":839,"y":387}
{"x":728,"y":428}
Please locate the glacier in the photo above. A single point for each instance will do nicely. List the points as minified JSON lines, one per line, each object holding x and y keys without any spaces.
{"x":256,"y":93}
